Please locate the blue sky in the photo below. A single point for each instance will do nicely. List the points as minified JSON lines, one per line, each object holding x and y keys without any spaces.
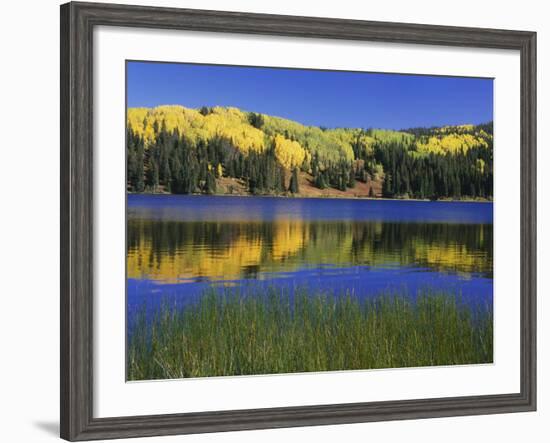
{"x":312,"y":97}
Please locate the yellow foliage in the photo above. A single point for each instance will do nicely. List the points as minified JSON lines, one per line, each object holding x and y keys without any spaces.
{"x":388,"y":135}
{"x":480,"y":163}
{"x":457,"y":128}
{"x":288,"y":153}
{"x":451,"y":143}
{"x":329,"y":145}
{"x":230,"y":123}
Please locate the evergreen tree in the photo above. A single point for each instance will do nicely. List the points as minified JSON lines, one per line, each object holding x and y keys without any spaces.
{"x":256,"y":120}
{"x":210,"y":183}
{"x":294,"y":188}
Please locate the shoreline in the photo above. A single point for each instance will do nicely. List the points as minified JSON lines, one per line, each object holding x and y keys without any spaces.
{"x":327,"y":197}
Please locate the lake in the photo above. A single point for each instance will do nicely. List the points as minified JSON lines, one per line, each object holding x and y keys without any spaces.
{"x":177,"y":246}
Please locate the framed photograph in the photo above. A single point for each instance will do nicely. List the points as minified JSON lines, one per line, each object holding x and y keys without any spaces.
{"x":273,"y":221}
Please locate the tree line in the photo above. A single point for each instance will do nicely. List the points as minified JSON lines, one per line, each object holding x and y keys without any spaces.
{"x":173,"y":163}
{"x":464,"y":174}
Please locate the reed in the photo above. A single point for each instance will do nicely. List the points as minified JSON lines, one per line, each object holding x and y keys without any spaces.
{"x":271,"y":331}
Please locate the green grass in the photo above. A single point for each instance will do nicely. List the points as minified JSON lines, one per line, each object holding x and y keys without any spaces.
{"x":269,"y":332}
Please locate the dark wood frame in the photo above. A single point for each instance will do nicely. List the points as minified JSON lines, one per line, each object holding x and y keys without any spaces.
{"x":77,"y":24}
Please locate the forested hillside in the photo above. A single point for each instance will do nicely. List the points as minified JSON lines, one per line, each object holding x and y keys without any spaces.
{"x":229,"y":151}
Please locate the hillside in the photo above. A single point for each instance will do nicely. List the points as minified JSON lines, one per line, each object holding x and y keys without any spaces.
{"x":230,"y":151}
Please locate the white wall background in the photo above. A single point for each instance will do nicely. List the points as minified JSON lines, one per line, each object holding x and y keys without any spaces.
{"x":29,"y":227}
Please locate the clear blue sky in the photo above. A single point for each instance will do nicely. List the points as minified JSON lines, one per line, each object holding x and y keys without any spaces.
{"x":311,"y":97}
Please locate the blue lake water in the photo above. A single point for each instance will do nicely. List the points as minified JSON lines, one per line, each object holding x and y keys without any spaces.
{"x":179,"y":246}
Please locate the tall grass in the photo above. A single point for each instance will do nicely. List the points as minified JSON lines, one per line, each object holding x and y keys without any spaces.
{"x":272,"y":331}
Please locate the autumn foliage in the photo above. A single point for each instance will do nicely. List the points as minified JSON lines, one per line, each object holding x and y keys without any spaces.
{"x":183,"y":150}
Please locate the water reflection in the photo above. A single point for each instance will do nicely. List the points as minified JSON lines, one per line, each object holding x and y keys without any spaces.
{"x":177,"y":251}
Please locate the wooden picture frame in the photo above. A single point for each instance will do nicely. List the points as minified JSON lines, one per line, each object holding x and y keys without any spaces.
{"x":77,"y":217}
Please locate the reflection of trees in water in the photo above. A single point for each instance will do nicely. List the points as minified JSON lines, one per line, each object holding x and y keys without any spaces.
{"x":174,"y":249}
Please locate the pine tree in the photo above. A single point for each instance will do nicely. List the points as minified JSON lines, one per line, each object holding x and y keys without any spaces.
{"x":351,"y":179}
{"x":387,"y":189}
{"x":294,"y":188}
{"x":256,"y":120}
{"x":210,"y":183}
